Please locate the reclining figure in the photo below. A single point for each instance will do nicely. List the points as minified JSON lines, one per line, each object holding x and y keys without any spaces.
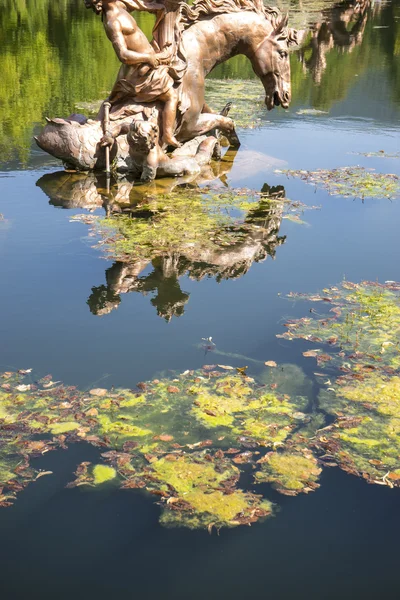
{"x":146,"y":159}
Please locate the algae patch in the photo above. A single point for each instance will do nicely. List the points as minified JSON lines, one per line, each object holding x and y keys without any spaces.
{"x":354,"y":182}
{"x":359,"y":349}
{"x":248,"y":100}
{"x":103,"y":473}
{"x":290,"y":473}
{"x":184,"y":439}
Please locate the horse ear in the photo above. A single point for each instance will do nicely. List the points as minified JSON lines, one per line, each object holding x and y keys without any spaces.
{"x":281,"y":26}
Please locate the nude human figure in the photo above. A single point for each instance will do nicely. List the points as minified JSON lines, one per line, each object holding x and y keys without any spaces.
{"x":144,"y":73}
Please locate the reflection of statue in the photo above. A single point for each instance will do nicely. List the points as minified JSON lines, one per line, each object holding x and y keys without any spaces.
{"x":122,"y":278}
{"x":341,"y":26}
{"x":231,"y":262}
{"x":168,"y":75}
{"x":241,"y":245}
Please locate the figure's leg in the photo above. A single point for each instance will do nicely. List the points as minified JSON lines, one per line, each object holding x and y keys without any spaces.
{"x":207,"y":122}
{"x":170,"y":99}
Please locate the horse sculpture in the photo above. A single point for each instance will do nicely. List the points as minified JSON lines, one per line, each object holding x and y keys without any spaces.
{"x":213,"y":32}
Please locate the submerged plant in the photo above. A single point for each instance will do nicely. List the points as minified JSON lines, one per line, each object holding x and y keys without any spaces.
{"x":355,"y":182}
{"x":361,"y":349}
{"x":244,"y":94}
{"x":182,"y":439}
{"x":186,"y":438}
{"x":289,"y":472}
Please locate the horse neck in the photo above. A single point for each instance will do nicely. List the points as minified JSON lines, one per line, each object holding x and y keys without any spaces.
{"x":223,"y":36}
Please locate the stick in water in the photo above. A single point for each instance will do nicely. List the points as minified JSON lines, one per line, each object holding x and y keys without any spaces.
{"x":106,"y":126}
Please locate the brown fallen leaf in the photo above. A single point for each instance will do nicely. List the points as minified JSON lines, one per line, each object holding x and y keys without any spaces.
{"x":98,"y":392}
{"x":92,"y":412}
{"x":210,"y":413}
{"x":270,"y":363}
{"x":311,"y":353}
{"x":172,"y":389}
{"x":42,"y":473}
{"x":165,"y":437}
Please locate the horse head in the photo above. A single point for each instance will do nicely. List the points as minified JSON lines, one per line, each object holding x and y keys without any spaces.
{"x":270,"y":62}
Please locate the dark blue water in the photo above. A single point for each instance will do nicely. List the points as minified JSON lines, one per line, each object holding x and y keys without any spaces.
{"x":339,"y":542}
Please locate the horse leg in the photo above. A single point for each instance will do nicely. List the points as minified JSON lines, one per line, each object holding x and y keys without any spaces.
{"x":209,"y":121}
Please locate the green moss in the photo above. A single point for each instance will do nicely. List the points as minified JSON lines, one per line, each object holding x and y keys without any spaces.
{"x":156,"y":438}
{"x":103,"y":473}
{"x":352,"y":182}
{"x":289,"y":473}
{"x":63,"y":427}
{"x":195,"y":480}
{"x":121,"y":427}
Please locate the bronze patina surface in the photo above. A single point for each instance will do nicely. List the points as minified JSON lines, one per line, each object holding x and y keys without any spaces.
{"x":158,"y":100}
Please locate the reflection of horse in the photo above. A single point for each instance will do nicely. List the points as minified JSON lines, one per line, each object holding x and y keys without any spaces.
{"x":215,"y":31}
{"x":258,"y":242}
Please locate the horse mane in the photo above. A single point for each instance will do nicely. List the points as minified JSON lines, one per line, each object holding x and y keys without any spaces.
{"x":204,"y":8}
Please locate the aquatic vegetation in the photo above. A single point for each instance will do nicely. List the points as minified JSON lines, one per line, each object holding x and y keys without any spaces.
{"x":312,"y":112}
{"x":290,"y":473}
{"x":247,"y":97}
{"x":360,"y":335}
{"x":363,"y":321}
{"x":204,"y":488}
{"x":179,"y":220}
{"x":355,"y":182}
{"x":380,"y":154}
{"x":183,"y":438}
{"x":200,"y":225}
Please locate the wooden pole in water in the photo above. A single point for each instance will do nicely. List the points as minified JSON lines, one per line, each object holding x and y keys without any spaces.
{"x":106,"y":126}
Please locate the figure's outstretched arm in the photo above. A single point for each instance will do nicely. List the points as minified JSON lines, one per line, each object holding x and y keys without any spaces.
{"x":113,"y":132}
{"x":126,"y":56}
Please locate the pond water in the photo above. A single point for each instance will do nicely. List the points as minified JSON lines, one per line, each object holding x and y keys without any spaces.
{"x":95,"y":322}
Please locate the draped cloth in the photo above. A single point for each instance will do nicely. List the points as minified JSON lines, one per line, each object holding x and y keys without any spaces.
{"x":143,"y":83}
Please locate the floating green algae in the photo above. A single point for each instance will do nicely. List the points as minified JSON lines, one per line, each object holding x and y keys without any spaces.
{"x":200,"y":224}
{"x":290,"y":473}
{"x":380,"y":154}
{"x":93,"y":475}
{"x":248,"y":106}
{"x":181,"y":438}
{"x":355,"y":182}
{"x":204,"y":485}
{"x":197,"y":232}
{"x":103,"y":473}
{"x":186,"y":438}
{"x":363,"y":321}
{"x":361,"y":354}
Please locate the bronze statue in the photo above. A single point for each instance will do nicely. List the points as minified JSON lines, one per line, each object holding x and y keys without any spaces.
{"x":144,"y":76}
{"x":163,"y":81}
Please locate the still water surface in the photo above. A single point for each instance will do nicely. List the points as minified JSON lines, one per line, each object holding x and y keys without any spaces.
{"x":340,"y":541}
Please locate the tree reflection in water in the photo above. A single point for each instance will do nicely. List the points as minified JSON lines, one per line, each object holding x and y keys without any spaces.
{"x":341,"y":26}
